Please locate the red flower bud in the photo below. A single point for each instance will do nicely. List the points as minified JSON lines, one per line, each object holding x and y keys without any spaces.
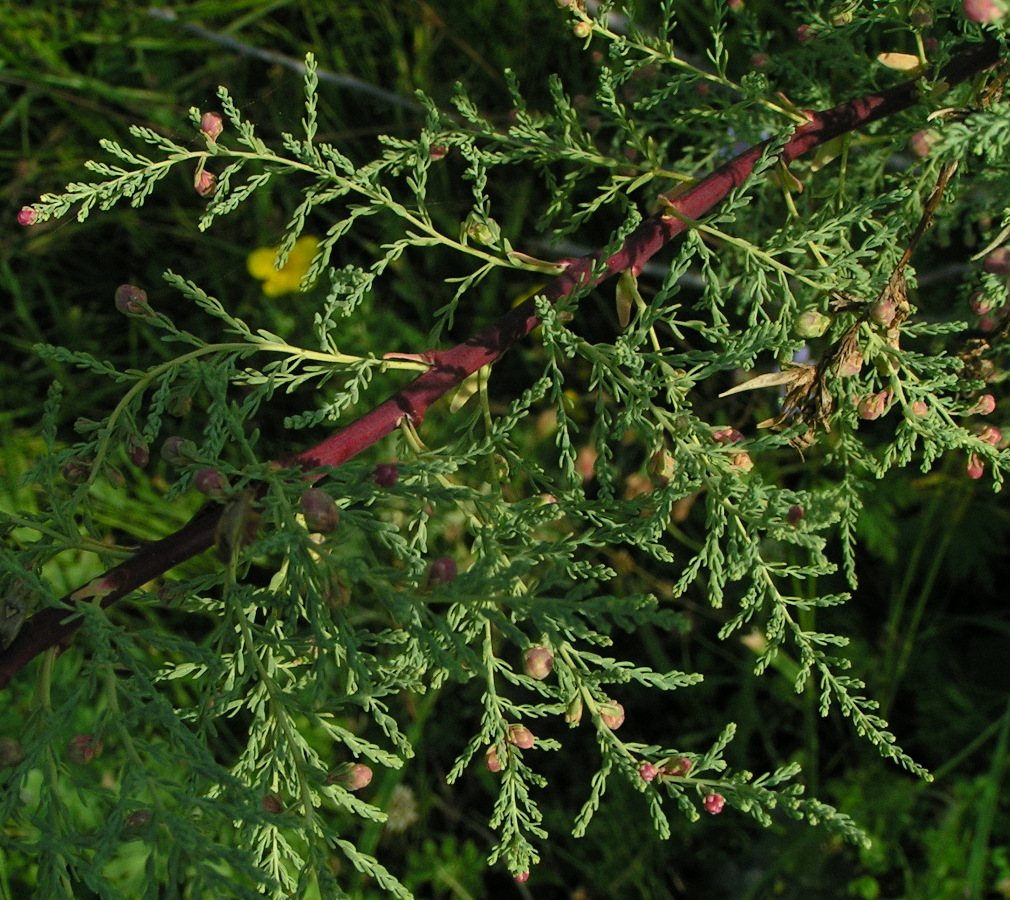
{"x":136,"y":449}
{"x":320,"y":511}
{"x":921,"y":143}
{"x":273,"y":804}
{"x":976,"y":468}
{"x":984,"y":405}
{"x":27,"y":216}
{"x":677,"y":768}
{"x":76,"y":470}
{"x":353,"y":776}
{"x":727,"y":436}
{"x":998,"y":262}
{"x":795,"y":515}
{"x":521,"y":877}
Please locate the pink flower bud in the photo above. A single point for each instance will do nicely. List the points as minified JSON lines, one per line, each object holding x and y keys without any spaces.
{"x":921,"y":143}
{"x":919,"y":408}
{"x":990,"y":434}
{"x":138,"y":452}
{"x":714,"y":803}
{"x":210,"y":483}
{"x":205,"y":183}
{"x":520,"y":736}
{"x":521,"y":877}
{"x":742,"y":461}
{"x":27,"y":216}
{"x":84,"y":748}
{"x":976,"y":468}
{"x":883,"y":312}
{"x":132,"y":301}
{"x":437,"y":152}
{"x":727,"y":436}
{"x":795,"y":515}
{"x":647,"y":771}
{"x":320,"y":511}
{"x":759,"y":60}
{"x":582,"y":29}
{"x":538,"y":662}
{"x":211,"y":125}
{"x":491,"y":761}
{"x":998,"y":262}
{"x":612,"y":715}
{"x":353,"y":776}
{"x":873,"y":406}
{"x":984,"y":11}
{"x":803,"y":33}
{"x":138,"y":819}
{"x":985,"y":405}
{"x":385,"y":475}
{"x":441,"y":571}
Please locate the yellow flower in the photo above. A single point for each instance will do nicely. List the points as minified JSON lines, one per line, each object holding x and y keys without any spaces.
{"x":287,"y":279}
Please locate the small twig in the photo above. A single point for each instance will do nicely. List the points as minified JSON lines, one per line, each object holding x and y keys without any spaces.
{"x":55,"y":626}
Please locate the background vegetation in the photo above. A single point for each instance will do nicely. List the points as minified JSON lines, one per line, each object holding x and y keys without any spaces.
{"x":929,"y":625}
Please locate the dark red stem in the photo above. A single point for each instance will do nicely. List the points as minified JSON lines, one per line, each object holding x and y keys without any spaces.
{"x":55,"y":626}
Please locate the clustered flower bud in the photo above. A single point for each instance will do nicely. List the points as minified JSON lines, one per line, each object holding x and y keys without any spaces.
{"x":320,"y":511}
{"x":76,"y":470}
{"x":83,"y":748}
{"x":27,"y":216}
{"x":132,"y":301}
{"x":538,"y":662}
{"x":520,"y":736}
{"x":714,"y":803}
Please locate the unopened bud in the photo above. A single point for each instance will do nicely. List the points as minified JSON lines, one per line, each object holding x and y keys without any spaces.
{"x":582,"y":29}
{"x":520,"y":736}
{"x":538,"y":662}
{"x":647,"y":771}
{"x":11,"y":753}
{"x":138,"y":819}
{"x":137,"y":451}
{"x":441,"y":571}
{"x":205,"y":183}
{"x":984,"y":11}
{"x":985,"y":405}
{"x":714,"y":803}
{"x":742,"y":461}
{"x":573,"y":712}
{"x":883,"y":312}
{"x":795,"y":515}
{"x":353,"y":776}
{"x":385,"y":475}
{"x":677,"y":768}
{"x":132,"y":301}
{"x":491,"y":760}
{"x":612,"y":715}
{"x":975,"y":468}
{"x":211,"y":125}
{"x":998,"y":262}
{"x":521,"y":877}
{"x":27,"y":216}
{"x":177,"y":451}
{"x":873,"y":406}
{"x":273,"y":804}
{"x":921,"y":143}
{"x":990,"y":434}
{"x":320,"y":511}
{"x":811,"y":324}
{"x":76,"y":470}
{"x":210,"y":483}
{"x":83,"y":748}
{"x":727,"y":436}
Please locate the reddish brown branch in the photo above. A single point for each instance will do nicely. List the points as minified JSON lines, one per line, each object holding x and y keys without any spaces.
{"x":55,"y":626}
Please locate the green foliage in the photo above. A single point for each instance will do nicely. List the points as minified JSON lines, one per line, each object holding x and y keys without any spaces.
{"x":593,"y":500}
